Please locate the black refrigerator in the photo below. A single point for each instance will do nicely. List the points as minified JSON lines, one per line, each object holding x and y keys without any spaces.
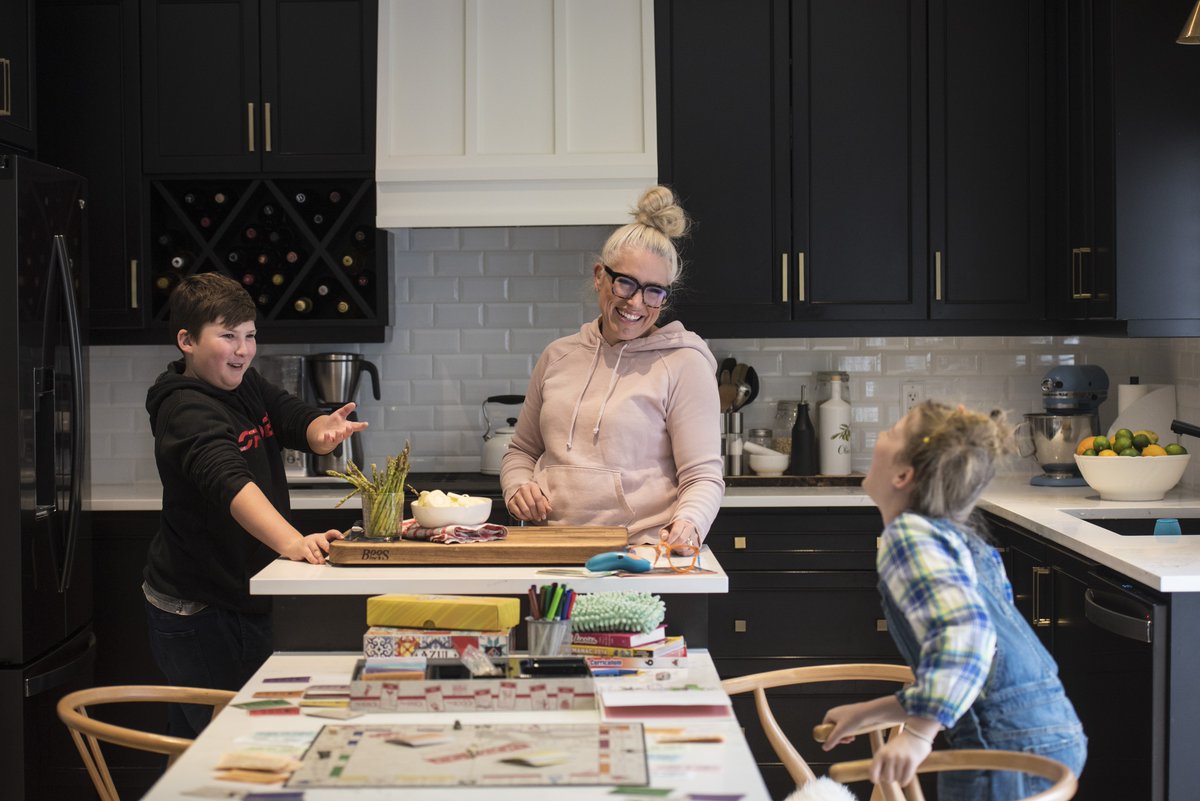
{"x":47,"y":647}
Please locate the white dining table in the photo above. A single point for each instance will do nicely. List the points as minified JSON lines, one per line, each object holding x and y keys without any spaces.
{"x":707,"y":771}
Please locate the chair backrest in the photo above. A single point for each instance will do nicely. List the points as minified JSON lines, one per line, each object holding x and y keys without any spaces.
{"x":1064,"y":781}
{"x":88,"y":732}
{"x":759,"y":683}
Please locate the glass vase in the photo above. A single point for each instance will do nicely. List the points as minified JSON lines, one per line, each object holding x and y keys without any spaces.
{"x":383,"y":514}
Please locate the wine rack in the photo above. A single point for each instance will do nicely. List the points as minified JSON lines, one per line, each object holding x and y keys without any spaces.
{"x":306,"y":250}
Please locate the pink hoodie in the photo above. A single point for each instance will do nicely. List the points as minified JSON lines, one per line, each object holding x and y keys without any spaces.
{"x":622,"y":435}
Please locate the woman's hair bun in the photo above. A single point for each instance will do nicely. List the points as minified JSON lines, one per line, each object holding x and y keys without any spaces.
{"x":658,"y":209}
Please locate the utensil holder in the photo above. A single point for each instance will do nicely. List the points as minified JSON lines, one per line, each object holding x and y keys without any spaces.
{"x":548,"y":637}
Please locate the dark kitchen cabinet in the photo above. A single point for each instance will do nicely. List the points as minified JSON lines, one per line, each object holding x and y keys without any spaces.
{"x":92,"y":128}
{"x":841,"y":173}
{"x":17,"y":74}
{"x":258,"y":85}
{"x":1128,"y":162}
{"x":802,"y":591}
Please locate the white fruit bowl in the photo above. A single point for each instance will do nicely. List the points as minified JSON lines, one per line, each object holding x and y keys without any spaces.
{"x":474,"y":513}
{"x":1132,"y":478}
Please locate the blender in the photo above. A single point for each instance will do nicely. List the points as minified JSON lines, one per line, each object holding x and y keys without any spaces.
{"x":1071,"y":395}
{"x":333,"y":381}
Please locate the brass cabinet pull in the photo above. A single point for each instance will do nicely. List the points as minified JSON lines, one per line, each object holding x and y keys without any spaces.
{"x":800,"y":273}
{"x":133,"y":284}
{"x":937,"y":275}
{"x":1036,"y":619}
{"x":739,"y":543}
{"x":250,"y":126}
{"x":783,"y":267}
{"x":6,"y":89}
{"x":739,"y":626}
{"x":267,"y":126}
{"x":881,"y":624}
{"x":1077,"y":290}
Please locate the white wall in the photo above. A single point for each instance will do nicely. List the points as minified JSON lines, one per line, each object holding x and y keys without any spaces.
{"x":473,"y":308}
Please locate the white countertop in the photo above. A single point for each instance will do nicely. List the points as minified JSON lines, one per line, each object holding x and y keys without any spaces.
{"x":725,"y":768}
{"x":1162,"y":565}
{"x":285,"y":577}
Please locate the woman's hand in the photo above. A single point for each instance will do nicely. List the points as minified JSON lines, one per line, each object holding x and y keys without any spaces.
{"x":682,"y":536}
{"x":330,"y":430}
{"x":529,"y":503}
{"x":312,"y":548}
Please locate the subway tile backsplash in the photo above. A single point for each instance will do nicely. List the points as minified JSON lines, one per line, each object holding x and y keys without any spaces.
{"x":473,"y":308}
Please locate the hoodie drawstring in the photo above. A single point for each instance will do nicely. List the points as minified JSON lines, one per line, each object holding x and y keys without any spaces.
{"x":612,"y":382}
{"x":579,"y":402}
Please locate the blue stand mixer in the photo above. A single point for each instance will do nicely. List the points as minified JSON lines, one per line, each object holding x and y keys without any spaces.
{"x":1071,"y":395}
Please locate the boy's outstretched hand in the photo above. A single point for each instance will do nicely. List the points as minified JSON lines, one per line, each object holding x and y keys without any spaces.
{"x":330,"y":430}
{"x":314,"y":547}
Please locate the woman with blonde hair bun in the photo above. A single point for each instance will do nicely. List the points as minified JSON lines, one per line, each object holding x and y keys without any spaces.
{"x":620,"y":422}
{"x":981,"y":672}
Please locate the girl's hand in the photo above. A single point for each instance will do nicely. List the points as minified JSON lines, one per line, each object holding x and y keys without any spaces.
{"x":898,"y":759}
{"x":529,"y":503}
{"x":312,"y":548}
{"x":682,"y":536}
{"x":849,"y":719}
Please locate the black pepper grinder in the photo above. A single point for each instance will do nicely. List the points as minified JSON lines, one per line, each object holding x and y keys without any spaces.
{"x":804,"y":442}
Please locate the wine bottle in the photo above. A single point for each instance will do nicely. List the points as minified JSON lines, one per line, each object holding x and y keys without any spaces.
{"x":335,"y":197}
{"x":264,"y":299}
{"x":804,"y":444}
{"x":318,"y":219}
{"x":278,"y":279}
{"x":166,"y":239}
{"x":205,"y":221}
{"x":165,"y":283}
{"x":219,"y":198}
{"x":347,"y":262}
{"x":320,"y":288}
{"x":234,"y":257}
{"x":179,"y":261}
{"x":268,"y":210}
{"x":263,"y":258}
{"x":250,"y":233}
{"x":364,"y":279}
{"x":301,"y":198}
{"x":363,"y":236}
{"x":249,"y":279}
{"x":189,"y":198}
{"x":273,"y":236}
{"x":303,"y":305}
{"x":291,"y":257}
{"x":341,"y":306}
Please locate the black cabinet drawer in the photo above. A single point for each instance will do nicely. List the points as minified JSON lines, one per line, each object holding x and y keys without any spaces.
{"x":825,"y":614}
{"x":822,"y":539}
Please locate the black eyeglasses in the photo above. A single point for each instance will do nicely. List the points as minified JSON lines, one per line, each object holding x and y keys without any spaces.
{"x":626,"y":286}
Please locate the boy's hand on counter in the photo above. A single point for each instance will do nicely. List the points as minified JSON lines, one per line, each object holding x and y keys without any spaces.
{"x":529,"y":503}
{"x":314,"y":547}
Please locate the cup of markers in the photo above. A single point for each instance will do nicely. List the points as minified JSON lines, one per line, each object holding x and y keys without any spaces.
{"x":549,"y":621}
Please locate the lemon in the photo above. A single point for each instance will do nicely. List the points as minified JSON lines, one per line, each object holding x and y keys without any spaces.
{"x":1140,"y":441}
{"x":1175,"y":449}
{"x":1100,"y":443}
{"x":1154,"y":450}
{"x":1150,"y":434}
{"x":1107,"y":452}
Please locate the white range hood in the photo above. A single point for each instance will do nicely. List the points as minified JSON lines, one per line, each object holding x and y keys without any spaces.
{"x":514,"y":112}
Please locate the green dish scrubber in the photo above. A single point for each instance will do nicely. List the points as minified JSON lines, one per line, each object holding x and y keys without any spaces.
{"x":618,"y":611}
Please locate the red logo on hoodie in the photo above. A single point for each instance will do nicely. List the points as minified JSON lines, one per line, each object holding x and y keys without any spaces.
{"x":253,"y":437}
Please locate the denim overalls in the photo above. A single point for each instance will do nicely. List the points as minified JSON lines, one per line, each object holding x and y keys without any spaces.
{"x":1022,"y":706}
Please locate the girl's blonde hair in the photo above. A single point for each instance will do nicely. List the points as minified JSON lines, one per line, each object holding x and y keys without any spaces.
{"x":953,"y":452}
{"x":657,"y":221}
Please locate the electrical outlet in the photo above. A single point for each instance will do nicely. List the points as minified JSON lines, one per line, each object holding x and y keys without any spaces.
{"x":911,"y":394}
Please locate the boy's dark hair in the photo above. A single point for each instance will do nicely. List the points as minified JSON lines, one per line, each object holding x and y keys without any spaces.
{"x":206,"y":298}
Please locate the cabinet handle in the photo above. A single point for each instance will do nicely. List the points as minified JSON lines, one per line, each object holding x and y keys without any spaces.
{"x":800,"y":273}
{"x":739,"y":543}
{"x":783,"y":268}
{"x":267,"y":126}
{"x":1077,"y":290}
{"x":250,"y":126}
{"x":133,"y":284}
{"x":6,"y":89}
{"x":881,"y":624}
{"x":937,"y":275}
{"x":739,"y":626}
{"x":1036,"y":619}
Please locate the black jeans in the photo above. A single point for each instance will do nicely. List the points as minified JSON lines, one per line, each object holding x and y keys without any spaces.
{"x":214,"y":648}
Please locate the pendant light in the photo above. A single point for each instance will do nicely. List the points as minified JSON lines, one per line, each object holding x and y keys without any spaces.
{"x":1191,"y":29}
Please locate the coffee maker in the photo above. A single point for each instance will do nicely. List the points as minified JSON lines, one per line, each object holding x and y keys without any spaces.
{"x":1071,"y":395}
{"x":333,"y":380}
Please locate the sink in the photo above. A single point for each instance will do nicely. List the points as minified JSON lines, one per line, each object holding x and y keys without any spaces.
{"x":1138,"y":522}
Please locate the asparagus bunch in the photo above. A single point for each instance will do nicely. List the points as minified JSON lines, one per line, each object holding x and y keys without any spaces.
{"x":382,"y":493}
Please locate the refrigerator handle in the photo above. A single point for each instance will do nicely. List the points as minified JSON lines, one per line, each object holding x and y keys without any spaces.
{"x":61,"y":256}
{"x":80,"y":665}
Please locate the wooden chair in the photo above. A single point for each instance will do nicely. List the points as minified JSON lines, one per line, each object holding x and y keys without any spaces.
{"x":73,"y":711}
{"x":969,"y":759}
{"x":797,"y":768}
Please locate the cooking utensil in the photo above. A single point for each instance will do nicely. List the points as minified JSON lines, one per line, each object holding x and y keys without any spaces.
{"x":728,"y":394}
{"x":742,"y":396}
{"x":738,"y":376}
{"x":752,"y":380}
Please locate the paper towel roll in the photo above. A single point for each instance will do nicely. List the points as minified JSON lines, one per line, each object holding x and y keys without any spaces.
{"x":1128,"y":393}
{"x":1153,"y":410}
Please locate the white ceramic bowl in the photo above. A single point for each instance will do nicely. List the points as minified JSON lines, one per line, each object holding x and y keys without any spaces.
{"x":1132,"y":478}
{"x":473,"y":514}
{"x":768,"y":464}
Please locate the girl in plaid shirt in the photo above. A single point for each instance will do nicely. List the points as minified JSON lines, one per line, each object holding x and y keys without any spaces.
{"x":981,"y":673}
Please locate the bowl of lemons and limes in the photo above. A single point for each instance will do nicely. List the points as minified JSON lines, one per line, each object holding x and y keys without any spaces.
{"x":1130,"y":465}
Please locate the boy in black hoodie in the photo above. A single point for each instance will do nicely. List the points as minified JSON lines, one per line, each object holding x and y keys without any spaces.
{"x":219,"y":430}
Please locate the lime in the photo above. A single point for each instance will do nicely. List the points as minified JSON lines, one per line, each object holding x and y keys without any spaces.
{"x":1130,"y":451}
{"x":1121,"y":443}
{"x":1140,"y":441}
{"x":1101,"y":443}
{"x":1124,"y":432}
{"x":1175,"y":449}
{"x":1090,"y":452}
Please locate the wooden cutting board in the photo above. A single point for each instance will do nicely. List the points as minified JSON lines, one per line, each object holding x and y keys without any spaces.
{"x":525,"y":545}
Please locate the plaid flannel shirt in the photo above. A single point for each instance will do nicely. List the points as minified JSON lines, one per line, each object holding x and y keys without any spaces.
{"x":927,"y":570}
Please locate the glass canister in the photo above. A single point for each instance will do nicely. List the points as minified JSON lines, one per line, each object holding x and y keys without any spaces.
{"x":785,"y":418}
{"x":761,"y":436}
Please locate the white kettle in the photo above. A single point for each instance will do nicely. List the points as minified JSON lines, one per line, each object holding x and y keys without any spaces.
{"x":496,"y":443}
